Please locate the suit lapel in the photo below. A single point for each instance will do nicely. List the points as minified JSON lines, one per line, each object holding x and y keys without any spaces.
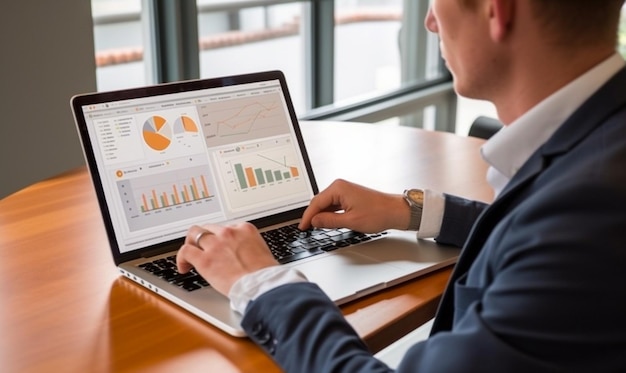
{"x":494,"y":213}
{"x":479,"y":235}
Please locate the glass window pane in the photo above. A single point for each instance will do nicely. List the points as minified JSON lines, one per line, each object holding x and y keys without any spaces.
{"x":118,"y":39}
{"x":369,"y":48}
{"x":235,"y":40}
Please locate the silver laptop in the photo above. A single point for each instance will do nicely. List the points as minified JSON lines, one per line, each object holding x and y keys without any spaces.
{"x":165,"y":157}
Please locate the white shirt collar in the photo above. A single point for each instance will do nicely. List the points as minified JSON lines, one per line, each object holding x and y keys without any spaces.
{"x":511,"y":147}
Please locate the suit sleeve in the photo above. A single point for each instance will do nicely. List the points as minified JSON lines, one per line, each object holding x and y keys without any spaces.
{"x":458,"y":219}
{"x":303,"y":331}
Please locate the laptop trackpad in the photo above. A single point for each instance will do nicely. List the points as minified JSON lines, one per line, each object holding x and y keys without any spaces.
{"x":353,"y":271}
{"x":343,"y":275}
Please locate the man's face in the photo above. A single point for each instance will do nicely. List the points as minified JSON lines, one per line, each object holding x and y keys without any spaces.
{"x":464,"y":37}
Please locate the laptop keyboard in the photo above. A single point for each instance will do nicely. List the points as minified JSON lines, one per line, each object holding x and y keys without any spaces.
{"x":166,"y":269}
{"x":287,"y":244}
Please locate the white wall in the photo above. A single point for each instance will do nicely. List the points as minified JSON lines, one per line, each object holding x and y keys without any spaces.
{"x":46,"y":56}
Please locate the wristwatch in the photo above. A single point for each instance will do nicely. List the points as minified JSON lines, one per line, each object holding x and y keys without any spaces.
{"x":415,"y":199}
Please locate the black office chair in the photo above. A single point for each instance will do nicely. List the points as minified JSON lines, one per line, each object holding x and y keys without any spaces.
{"x":484,"y":127}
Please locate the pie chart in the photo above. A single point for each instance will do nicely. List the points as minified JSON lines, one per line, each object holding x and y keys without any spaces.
{"x":185,"y":124}
{"x":157,"y":133}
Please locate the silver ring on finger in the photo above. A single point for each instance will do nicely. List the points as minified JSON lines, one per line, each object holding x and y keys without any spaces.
{"x":199,"y":236}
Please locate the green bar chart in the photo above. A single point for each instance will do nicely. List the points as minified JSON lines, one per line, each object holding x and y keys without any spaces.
{"x":250,"y":176}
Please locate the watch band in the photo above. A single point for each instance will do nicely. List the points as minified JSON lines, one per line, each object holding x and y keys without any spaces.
{"x":415,"y":199}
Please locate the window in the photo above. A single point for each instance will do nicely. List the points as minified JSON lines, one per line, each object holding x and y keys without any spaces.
{"x":235,"y":40}
{"x":118,"y":40}
{"x":367,"y":48}
{"x":367,"y":60}
{"x":377,"y":44}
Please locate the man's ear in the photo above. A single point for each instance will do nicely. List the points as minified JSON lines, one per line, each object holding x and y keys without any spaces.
{"x":501,"y":14}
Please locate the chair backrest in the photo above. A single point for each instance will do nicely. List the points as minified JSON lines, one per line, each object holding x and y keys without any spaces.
{"x":484,"y":127}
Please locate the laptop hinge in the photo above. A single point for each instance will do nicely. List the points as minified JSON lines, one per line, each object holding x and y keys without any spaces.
{"x":161,"y":250}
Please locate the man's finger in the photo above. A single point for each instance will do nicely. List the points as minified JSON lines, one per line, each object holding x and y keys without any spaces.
{"x":186,"y":257}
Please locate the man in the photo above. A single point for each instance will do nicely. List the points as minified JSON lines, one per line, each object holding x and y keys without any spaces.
{"x":538,"y":286}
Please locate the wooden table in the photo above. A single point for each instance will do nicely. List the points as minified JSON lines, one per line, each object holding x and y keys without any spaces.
{"x":64,"y":307}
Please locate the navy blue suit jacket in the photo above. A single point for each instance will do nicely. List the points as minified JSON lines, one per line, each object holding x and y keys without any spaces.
{"x":539,"y":286}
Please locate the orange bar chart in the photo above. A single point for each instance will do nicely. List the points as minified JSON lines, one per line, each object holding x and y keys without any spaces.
{"x":176,"y":194}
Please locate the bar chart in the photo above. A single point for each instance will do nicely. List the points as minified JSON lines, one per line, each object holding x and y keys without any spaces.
{"x":249,"y":177}
{"x":264,"y":169}
{"x":256,"y":178}
{"x":153,"y":200}
{"x":177,"y":193}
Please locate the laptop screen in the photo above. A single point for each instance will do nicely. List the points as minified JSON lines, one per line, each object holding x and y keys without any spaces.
{"x":164,"y":158}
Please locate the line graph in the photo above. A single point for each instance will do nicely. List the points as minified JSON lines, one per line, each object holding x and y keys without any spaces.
{"x":243,"y":119}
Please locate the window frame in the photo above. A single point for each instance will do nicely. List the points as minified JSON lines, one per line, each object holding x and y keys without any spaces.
{"x":171,"y":53}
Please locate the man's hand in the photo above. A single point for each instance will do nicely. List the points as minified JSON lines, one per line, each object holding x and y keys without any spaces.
{"x":347,"y":205}
{"x":224,"y":254}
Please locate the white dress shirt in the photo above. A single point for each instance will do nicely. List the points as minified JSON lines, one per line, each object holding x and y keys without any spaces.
{"x":511,"y":147}
{"x":505,"y":152}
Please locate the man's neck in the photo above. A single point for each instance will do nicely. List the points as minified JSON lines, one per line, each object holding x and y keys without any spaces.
{"x":535,"y":78}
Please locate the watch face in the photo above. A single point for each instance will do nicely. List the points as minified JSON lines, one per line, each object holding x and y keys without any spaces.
{"x":416,"y":195}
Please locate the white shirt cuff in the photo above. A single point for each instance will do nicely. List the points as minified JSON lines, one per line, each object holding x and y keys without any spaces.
{"x":252,"y":285}
{"x":432,"y":214}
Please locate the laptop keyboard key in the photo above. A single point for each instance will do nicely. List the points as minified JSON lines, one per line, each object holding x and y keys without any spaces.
{"x":191,"y":286}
